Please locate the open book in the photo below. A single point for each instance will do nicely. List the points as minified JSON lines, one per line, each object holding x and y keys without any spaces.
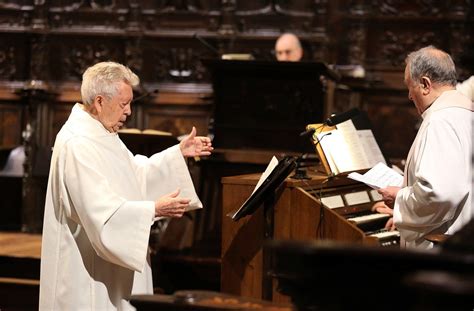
{"x":146,"y":142}
{"x":146,"y":131}
{"x":346,"y":148}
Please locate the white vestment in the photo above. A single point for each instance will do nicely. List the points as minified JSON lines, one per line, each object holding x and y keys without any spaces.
{"x":437,"y":189}
{"x":467,"y":87}
{"x":100,"y":205}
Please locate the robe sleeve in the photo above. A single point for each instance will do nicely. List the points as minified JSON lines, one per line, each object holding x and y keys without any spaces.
{"x":439,"y":186}
{"x":165,"y":172}
{"x":117,"y":229}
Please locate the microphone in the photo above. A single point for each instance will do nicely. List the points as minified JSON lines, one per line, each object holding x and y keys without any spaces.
{"x":308,"y":132}
{"x":206,"y":44}
{"x":344,"y":116}
{"x":155,"y":91}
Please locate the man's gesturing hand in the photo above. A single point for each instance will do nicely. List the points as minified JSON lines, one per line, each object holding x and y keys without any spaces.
{"x":195,"y":146}
{"x":170,"y":205}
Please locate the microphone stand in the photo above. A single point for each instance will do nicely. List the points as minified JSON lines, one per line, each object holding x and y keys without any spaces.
{"x":206,"y":44}
{"x":153,"y":92}
{"x":300,"y":172}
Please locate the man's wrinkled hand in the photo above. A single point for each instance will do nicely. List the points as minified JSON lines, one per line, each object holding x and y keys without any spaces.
{"x":381,"y":208}
{"x":195,"y":146}
{"x":389,"y":194}
{"x":170,"y":205}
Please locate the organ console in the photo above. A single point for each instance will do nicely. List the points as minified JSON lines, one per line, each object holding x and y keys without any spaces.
{"x":322,"y":208}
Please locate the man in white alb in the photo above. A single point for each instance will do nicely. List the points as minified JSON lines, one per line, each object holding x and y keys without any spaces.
{"x":437,"y":190}
{"x":101,"y":200}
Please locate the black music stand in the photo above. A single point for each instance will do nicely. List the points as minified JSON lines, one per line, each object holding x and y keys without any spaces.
{"x":266,"y":104}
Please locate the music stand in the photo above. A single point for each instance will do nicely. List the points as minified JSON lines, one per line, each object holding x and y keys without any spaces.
{"x":266,"y":104}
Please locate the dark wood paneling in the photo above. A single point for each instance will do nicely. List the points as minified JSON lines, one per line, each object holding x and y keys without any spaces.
{"x":11,"y":124}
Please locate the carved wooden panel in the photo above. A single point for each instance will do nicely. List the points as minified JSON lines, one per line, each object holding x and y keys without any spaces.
{"x":175,"y":118}
{"x":395,"y":121}
{"x":57,"y":116}
{"x":11,"y":123}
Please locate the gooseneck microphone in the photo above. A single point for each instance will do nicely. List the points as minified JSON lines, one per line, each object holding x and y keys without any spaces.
{"x":344,"y":116}
{"x":333,"y":120}
{"x":308,"y":132}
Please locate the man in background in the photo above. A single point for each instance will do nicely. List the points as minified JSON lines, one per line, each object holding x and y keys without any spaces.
{"x":101,"y":200}
{"x":436,"y":194}
{"x":288,"y":48}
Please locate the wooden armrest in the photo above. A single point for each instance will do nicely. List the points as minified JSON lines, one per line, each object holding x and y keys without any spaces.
{"x":437,"y":238}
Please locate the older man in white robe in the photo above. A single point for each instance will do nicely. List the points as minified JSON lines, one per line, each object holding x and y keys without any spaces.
{"x":101,"y":200}
{"x":437,"y":190}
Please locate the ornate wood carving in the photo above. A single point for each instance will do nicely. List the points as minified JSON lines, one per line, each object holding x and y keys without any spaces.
{"x":77,"y":57}
{"x":39,"y":62}
{"x":394,"y":46}
{"x":7,"y":62}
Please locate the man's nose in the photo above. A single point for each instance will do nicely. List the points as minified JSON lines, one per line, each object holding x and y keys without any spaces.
{"x":128,"y":110}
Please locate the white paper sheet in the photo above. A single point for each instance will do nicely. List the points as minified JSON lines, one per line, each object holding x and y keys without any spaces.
{"x":380,"y":176}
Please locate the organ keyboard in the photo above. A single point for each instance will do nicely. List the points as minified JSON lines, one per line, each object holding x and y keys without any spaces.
{"x":354,"y":202}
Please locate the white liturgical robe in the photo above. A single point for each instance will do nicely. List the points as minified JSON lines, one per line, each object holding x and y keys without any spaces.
{"x":437,"y":190}
{"x":100,"y":205}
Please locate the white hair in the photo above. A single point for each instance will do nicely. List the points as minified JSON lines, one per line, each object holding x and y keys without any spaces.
{"x":103,"y":79}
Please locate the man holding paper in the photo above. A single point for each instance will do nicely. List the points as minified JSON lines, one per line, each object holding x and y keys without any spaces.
{"x":435,"y":197}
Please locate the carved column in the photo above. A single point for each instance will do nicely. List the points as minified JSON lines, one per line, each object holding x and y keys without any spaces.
{"x":134,"y":17}
{"x":36,"y":165}
{"x":36,"y":97}
{"x":40,"y":14}
{"x":228,"y":26}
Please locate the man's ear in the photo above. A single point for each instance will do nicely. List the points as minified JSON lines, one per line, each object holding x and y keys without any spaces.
{"x":425,"y":85}
{"x":98,"y":103}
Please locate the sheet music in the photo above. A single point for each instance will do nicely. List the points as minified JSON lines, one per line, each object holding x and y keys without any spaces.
{"x":343,"y":149}
{"x":348,"y":149}
{"x":270,"y":167}
{"x":380,"y":176}
{"x":372,"y":150}
{"x":358,"y":158}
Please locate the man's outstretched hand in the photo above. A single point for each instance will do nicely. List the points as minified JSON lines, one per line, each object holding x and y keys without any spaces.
{"x":195,"y":146}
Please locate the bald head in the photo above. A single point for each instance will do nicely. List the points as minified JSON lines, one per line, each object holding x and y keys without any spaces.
{"x":288,"y":48}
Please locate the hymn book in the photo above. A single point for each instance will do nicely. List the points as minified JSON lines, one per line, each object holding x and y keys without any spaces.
{"x":344,"y":148}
